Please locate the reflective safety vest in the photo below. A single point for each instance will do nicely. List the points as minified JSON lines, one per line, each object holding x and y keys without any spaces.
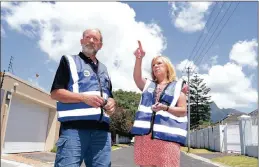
{"x":85,"y":80}
{"x":161,"y":124}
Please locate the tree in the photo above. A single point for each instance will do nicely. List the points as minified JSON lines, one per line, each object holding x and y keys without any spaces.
{"x":121,"y":121}
{"x":127,"y":105}
{"x":127,"y":100}
{"x":199,"y":102}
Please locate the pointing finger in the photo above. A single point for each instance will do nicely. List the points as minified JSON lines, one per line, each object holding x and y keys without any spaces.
{"x":140,"y":46}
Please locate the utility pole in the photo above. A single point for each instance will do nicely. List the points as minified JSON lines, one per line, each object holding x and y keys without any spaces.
{"x":189,"y":110}
{"x":197,"y":105}
{"x":2,"y":75}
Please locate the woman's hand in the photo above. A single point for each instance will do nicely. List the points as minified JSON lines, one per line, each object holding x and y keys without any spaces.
{"x":139,"y":53}
{"x":137,"y":73}
{"x":158,"y":106}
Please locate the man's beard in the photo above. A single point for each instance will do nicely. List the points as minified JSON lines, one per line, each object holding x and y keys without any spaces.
{"x":89,"y":50}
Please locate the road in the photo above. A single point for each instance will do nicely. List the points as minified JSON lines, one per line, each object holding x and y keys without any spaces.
{"x":124,"y":158}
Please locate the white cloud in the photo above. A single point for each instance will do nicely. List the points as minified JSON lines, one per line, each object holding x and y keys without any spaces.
{"x":186,"y":63}
{"x":214,"y":59}
{"x":230,"y":88}
{"x":245,"y":53}
{"x":189,"y":16}
{"x":207,"y":66}
{"x":59,"y":29}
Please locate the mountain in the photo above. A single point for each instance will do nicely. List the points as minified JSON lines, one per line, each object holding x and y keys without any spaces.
{"x":253,"y":113}
{"x":218,"y":114}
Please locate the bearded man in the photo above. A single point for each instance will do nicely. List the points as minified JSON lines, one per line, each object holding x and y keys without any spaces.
{"x":83,"y":91}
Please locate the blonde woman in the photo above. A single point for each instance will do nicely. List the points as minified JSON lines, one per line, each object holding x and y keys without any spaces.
{"x":160,"y":122}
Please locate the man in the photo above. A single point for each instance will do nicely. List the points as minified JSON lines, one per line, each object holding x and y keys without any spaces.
{"x":83,"y":91}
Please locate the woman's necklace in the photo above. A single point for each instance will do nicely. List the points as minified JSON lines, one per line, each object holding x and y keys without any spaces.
{"x":159,"y":86}
{"x":159,"y":90}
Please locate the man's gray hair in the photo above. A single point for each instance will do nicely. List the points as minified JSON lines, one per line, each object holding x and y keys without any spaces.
{"x":96,"y":29}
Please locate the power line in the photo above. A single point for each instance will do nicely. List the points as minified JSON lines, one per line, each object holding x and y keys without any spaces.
{"x":189,"y":58}
{"x":218,"y":34}
{"x":206,"y":62}
{"x":214,"y":30}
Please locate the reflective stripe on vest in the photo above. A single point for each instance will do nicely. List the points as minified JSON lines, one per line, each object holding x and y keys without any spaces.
{"x":143,"y":117}
{"x":165,"y":125}
{"x":81,"y":111}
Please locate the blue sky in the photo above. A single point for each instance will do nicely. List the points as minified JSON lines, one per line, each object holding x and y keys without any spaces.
{"x":38,"y":34}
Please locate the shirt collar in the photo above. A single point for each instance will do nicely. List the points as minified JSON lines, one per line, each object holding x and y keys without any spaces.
{"x":87,"y":59}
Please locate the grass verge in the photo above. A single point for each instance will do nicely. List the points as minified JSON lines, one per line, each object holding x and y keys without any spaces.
{"x":237,"y":161}
{"x":114,"y":147}
{"x":196,"y":150}
{"x":54,"y":149}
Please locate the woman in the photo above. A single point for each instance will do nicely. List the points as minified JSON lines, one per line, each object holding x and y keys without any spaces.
{"x":160,"y":123}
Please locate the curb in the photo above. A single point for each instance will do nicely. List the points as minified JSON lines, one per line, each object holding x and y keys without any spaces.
{"x":204,"y":159}
{"x":119,"y":148}
{"x":18,"y":164}
{"x":116,"y":149}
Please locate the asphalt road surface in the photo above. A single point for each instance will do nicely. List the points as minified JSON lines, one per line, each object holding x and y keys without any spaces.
{"x":124,"y":158}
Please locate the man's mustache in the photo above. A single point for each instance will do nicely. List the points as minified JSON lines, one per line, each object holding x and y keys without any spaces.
{"x":89,"y":44}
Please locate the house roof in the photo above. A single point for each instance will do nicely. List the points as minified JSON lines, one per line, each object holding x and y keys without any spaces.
{"x":26,"y":90}
{"x":231,"y":118}
{"x":23,"y":81}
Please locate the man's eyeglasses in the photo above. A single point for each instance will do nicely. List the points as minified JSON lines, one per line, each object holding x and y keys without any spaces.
{"x":88,"y":38}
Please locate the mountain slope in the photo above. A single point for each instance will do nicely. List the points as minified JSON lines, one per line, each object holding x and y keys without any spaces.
{"x":218,"y":114}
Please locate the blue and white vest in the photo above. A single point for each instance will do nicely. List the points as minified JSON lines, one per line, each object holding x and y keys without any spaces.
{"x":83,"y":79}
{"x":162,"y":124}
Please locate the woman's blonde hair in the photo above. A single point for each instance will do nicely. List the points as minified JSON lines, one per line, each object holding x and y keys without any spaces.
{"x":171,"y":74}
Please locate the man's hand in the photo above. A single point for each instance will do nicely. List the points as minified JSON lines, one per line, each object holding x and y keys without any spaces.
{"x":93,"y":100}
{"x":110,"y":106}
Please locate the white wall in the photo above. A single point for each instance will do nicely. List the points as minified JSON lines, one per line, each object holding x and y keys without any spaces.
{"x":255,"y":135}
{"x":232,"y":139}
{"x":249,"y":137}
{"x":26,"y":128}
{"x":122,"y":139}
{"x":210,"y":138}
{"x":219,"y":138}
{"x":255,"y":120}
{"x":206,"y":138}
{"x":226,"y":138}
{"x":252,"y":151}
